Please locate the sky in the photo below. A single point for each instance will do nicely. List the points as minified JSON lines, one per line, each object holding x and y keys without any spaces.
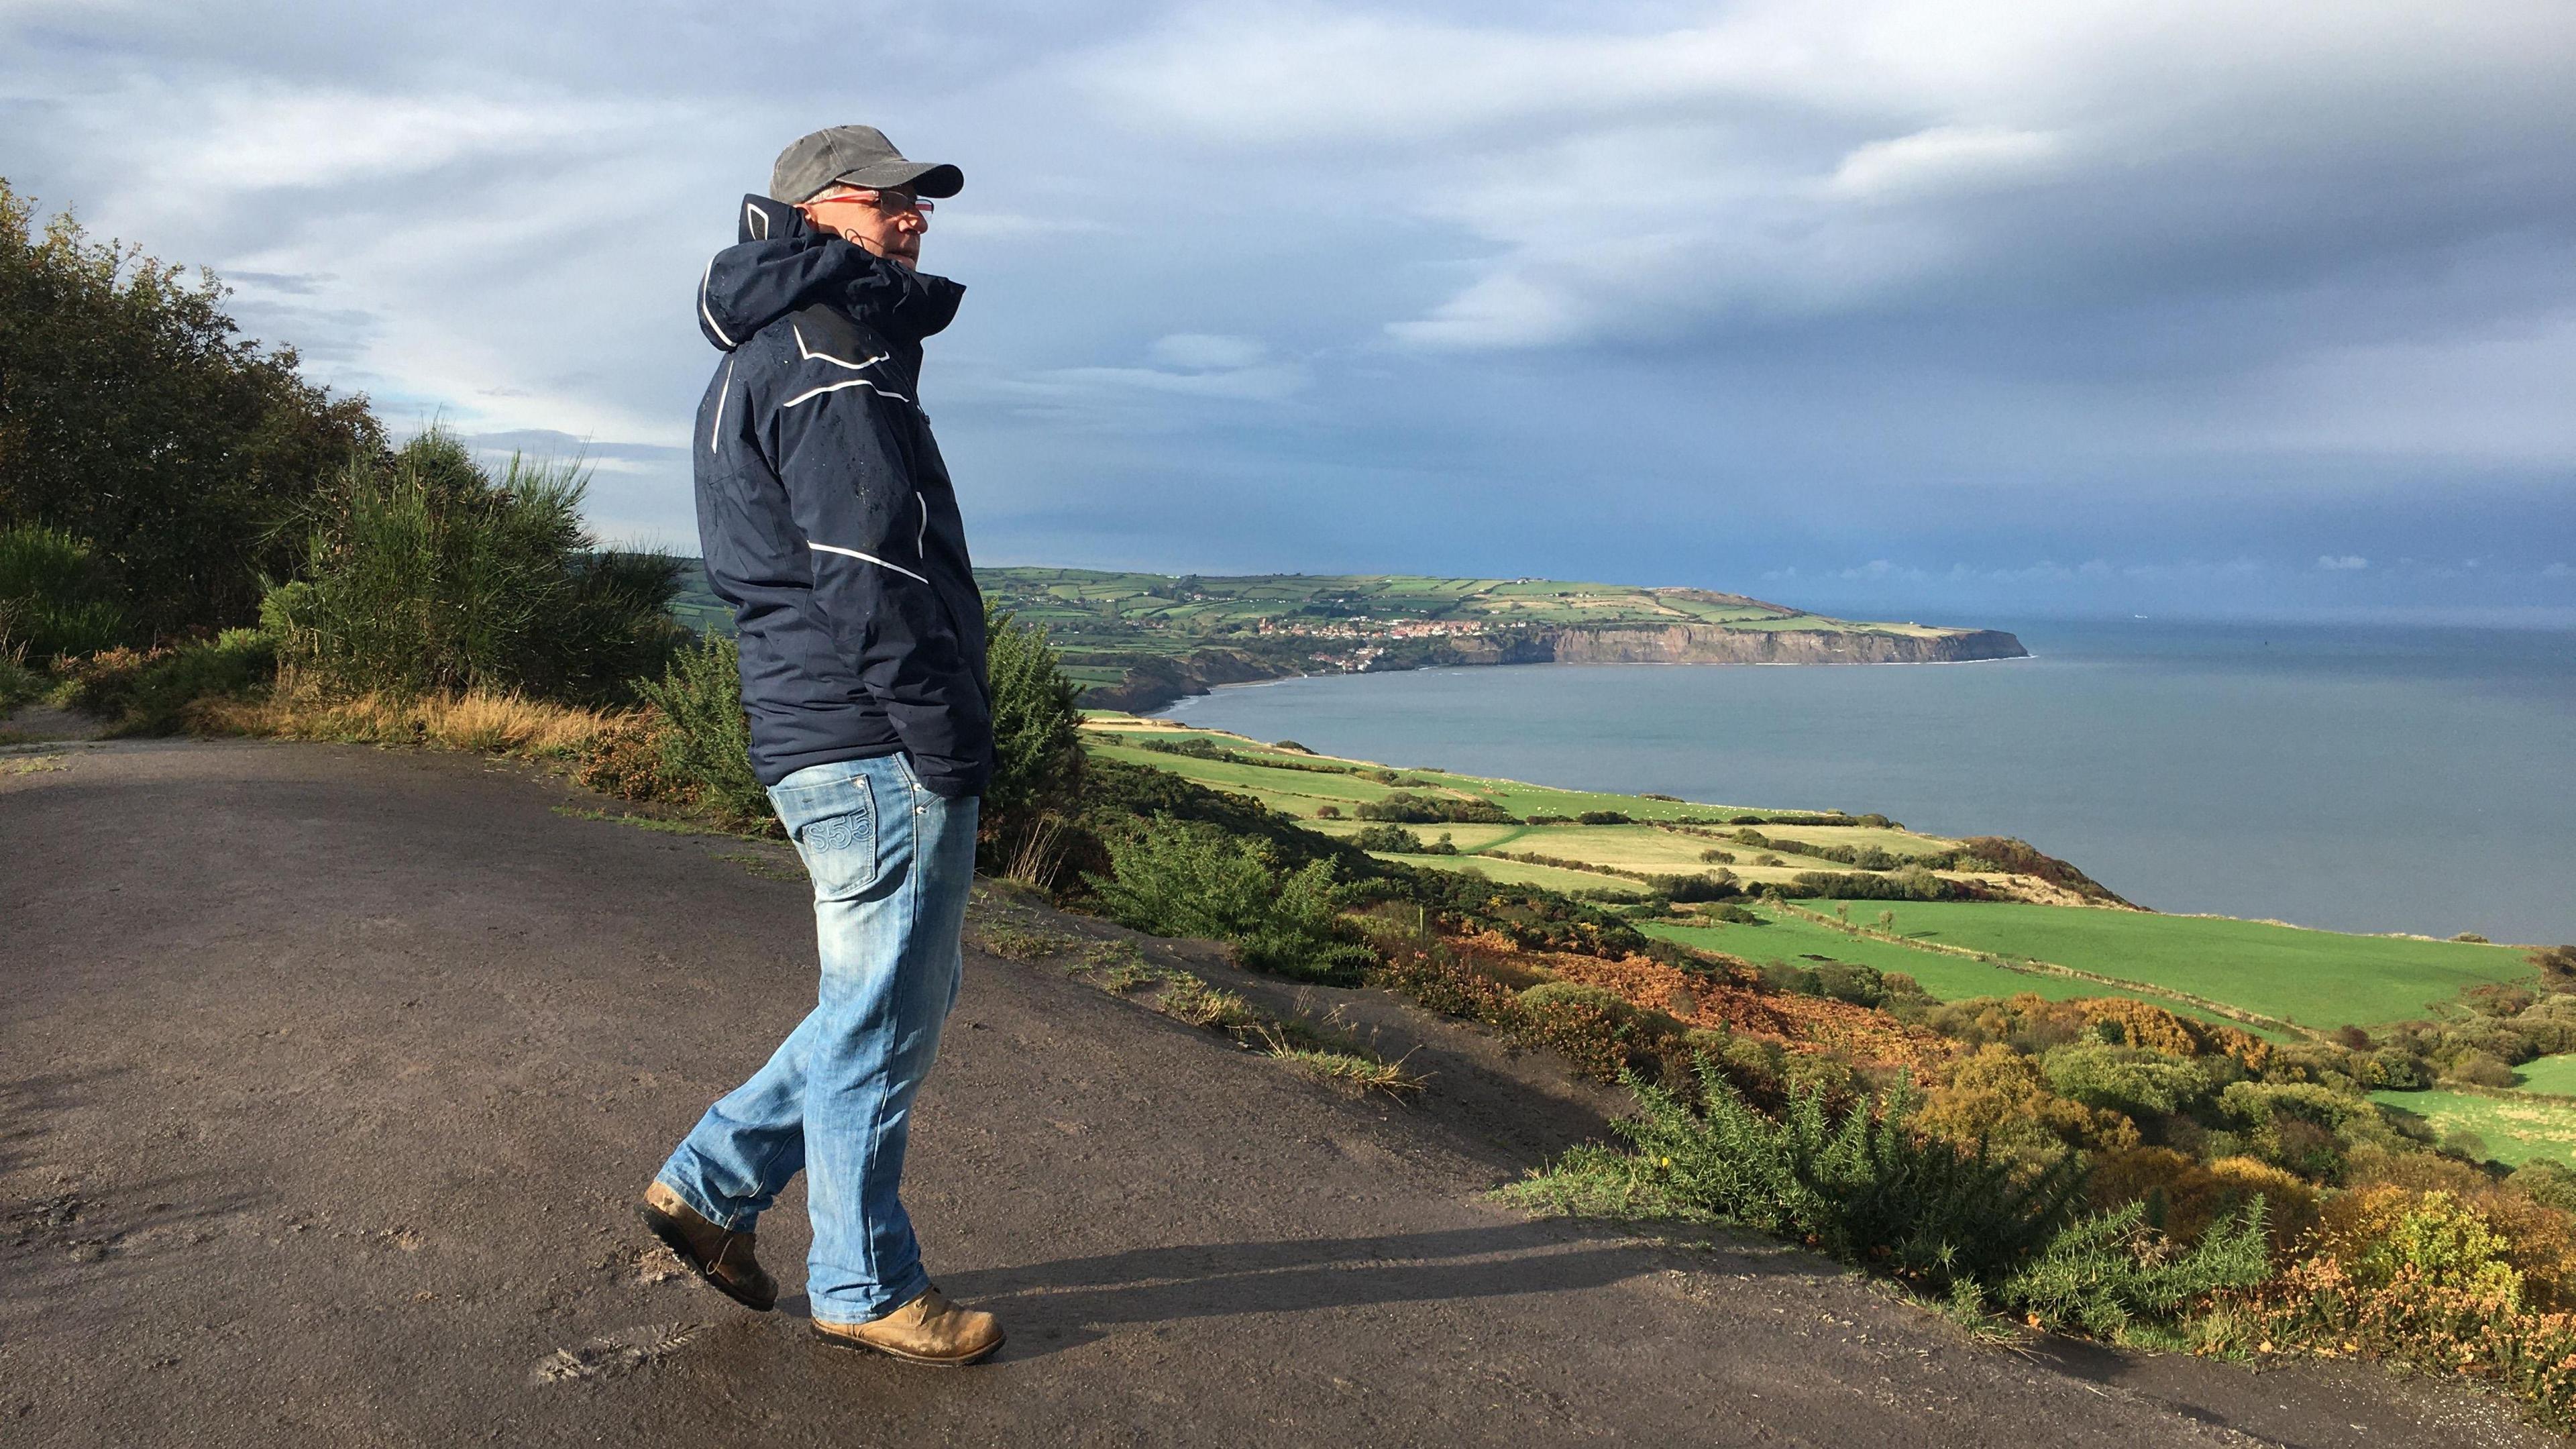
{"x":1956,"y":311}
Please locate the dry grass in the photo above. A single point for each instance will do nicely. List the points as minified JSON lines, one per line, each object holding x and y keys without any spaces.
{"x":481,"y":721}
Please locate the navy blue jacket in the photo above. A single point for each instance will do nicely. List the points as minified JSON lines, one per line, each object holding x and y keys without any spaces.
{"x":825,"y":514}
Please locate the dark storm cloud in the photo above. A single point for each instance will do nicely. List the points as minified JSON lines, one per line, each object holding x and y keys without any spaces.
{"x":1956,"y":306}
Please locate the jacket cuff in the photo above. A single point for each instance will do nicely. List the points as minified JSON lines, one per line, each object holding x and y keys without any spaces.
{"x":952,"y":787}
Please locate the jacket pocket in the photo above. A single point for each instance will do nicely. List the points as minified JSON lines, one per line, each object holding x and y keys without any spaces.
{"x":834,"y":825}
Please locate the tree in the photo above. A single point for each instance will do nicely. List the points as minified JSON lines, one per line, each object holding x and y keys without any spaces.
{"x":136,"y":418}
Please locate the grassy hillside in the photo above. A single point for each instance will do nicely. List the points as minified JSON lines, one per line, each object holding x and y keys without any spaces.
{"x":2296,"y":979}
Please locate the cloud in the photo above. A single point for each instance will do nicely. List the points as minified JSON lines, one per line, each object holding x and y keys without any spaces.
{"x":2342,"y":563}
{"x":1878,"y":296}
{"x":1943,"y":158}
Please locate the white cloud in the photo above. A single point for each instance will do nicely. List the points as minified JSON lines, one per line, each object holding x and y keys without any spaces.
{"x":1944,"y":159}
{"x":1207,"y":351}
{"x":272,"y":136}
{"x":2342,"y":563}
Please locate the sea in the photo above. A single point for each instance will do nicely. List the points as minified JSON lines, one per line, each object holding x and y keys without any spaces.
{"x":2380,"y":779}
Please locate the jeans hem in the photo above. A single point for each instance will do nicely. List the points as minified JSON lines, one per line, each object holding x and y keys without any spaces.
{"x":921,"y":1285}
{"x":698,"y":1205}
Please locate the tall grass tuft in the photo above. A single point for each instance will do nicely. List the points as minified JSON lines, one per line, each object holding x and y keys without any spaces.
{"x":429,"y":575}
{"x":54,"y":600}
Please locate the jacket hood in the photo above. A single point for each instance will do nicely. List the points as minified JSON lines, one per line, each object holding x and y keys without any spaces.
{"x":779,"y":265}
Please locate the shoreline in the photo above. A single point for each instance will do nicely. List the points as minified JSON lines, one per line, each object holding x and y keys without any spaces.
{"x":1214,"y":686}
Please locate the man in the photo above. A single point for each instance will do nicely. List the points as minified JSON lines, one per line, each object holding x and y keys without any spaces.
{"x":829,"y":525}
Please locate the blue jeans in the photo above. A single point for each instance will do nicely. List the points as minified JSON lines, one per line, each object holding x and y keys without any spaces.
{"x":892,"y":864}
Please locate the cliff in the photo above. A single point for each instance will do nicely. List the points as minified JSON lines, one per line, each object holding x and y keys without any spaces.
{"x":1151,"y":684}
{"x":1717,"y":644}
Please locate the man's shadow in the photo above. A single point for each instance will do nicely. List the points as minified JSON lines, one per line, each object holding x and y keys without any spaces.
{"x":1072,"y":1301}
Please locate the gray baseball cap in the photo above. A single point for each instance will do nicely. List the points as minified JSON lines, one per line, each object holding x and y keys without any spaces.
{"x":855,"y":156}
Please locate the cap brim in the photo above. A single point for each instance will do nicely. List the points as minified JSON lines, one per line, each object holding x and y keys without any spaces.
{"x":936,"y":182}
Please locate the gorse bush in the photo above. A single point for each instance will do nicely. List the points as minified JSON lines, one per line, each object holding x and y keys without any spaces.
{"x":1174,"y":878}
{"x":1869,"y":1190}
{"x":703,"y":748}
{"x":54,"y":597}
{"x":1037,"y":752}
{"x":1865,"y":1189}
{"x":428,"y":574}
{"x":2103,"y":1271}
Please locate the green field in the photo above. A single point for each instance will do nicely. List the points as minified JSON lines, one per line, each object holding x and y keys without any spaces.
{"x":2318,"y":979}
{"x":2554,"y":1075}
{"x":2515,"y":1132}
{"x":1949,"y":978}
{"x":1300,"y":791}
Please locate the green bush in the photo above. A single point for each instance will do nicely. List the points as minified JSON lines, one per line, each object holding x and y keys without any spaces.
{"x":1864,"y":1189}
{"x":54,"y":597}
{"x":2129,"y":1080}
{"x":2105,"y":1270}
{"x":1589,"y":1026}
{"x":1037,"y":752}
{"x":148,"y":693}
{"x":429,"y":574}
{"x":1411,"y":808}
{"x":1392,"y":838}
{"x":1177,"y":878}
{"x":705,"y":742}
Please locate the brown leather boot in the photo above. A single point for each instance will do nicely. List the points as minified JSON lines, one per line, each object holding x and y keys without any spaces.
{"x":929,"y":1329}
{"x":721,"y":1256}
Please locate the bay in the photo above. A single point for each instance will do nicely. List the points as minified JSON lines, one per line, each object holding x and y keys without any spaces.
{"x":2360,"y":779}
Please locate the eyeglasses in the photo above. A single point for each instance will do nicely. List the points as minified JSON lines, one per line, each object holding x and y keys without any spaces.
{"x":892,"y":203}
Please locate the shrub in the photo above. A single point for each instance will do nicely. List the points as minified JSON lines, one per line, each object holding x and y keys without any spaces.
{"x":1715,"y":886}
{"x":2184,"y":1199}
{"x":1411,"y":808}
{"x":2126,"y":1079}
{"x":1588,"y":1024}
{"x":1328,"y":812}
{"x":1998,"y":1098}
{"x":703,"y":750}
{"x":141,"y":692}
{"x":2107,"y":1269}
{"x":1392,"y":838}
{"x":2550,"y":1184}
{"x":1037,"y":752}
{"x":1174,"y":878}
{"x":428,"y":574}
{"x":2480,"y":1069}
{"x":1863,"y":1189}
{"x":1601,"y":817}
{"x":54,"y":597}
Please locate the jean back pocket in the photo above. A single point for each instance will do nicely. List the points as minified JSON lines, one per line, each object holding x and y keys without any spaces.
{"x":834,"y":825}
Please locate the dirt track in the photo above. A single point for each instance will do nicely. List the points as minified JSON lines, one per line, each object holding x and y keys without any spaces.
{"x":328,"y":1078}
